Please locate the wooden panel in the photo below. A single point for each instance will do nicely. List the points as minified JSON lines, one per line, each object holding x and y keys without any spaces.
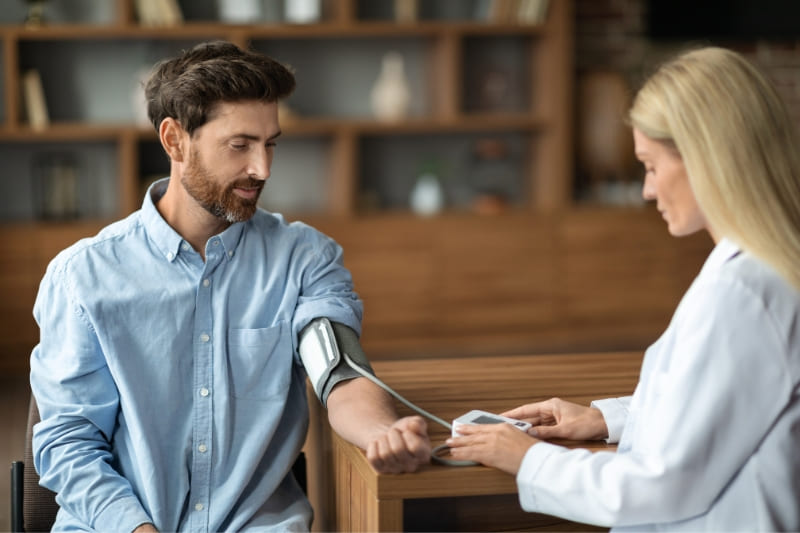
{"x":459,"y":284}
{"x":394,"y":273}
{"x":361,"y":510}
{"x":492,"y":276}
{"x":20,"y":280}
{"x":28,"y":251}
{"x":319,"y":465}
{"x":481,"y":513}
{"x":584,"y":279}
{"x":622,"y":279}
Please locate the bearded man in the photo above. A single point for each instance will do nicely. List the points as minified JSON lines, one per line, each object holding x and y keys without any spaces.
{"x":170,"y":372}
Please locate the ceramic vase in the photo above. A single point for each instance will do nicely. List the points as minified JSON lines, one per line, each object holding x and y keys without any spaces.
{"x":427,"y":196}
{"x":390,"y":96}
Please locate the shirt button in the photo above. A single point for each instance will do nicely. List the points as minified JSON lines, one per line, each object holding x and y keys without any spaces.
{"x":204,"y":392}
{"x":215,"y":243}
{"x":204,"y":337}
{"x":198,"y":507}
{"x":202,"y":448}
{"x":170,"y":256}
{"x":206,"y":282}
{"x":230,"y":254}
{"x":185,"y":247}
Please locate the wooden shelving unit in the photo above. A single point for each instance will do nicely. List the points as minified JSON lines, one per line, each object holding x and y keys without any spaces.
{"x":546,"y":123}
{"x":426,"y":286}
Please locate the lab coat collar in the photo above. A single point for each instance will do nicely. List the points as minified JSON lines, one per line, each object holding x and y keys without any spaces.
{"x":725,"y":250}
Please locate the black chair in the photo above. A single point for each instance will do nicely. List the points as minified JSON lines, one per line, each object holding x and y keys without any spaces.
{"x":34,"y":508}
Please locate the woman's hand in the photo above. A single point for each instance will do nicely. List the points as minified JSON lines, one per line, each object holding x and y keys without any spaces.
{"x":500,"y":446}
{"x":559,"y":419}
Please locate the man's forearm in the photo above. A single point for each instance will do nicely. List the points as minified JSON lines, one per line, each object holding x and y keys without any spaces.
{"x":360,"y":411}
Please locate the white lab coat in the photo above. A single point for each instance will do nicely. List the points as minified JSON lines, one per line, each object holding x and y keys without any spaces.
{"x":711,"y":437}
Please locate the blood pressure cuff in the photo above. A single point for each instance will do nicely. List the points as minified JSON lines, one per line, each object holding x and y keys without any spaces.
{"x":322,"y":344}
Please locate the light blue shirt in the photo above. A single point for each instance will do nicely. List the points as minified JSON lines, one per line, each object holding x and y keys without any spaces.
{"x":170,"y":388}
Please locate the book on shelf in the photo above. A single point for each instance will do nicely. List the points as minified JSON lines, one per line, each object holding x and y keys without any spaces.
{"x":512,"y":11}
{"x":159,"y":12}
{"x":503,"y":11}
{"x":172,"y":12}
{"x":532,"y":11}
{"x":34,"y":100}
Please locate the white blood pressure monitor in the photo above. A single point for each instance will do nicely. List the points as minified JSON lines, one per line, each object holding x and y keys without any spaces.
{"x":477,"y":416}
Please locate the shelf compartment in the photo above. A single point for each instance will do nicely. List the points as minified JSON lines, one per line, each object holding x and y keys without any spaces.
{"x":390,"y":168}
{"x":496,"y":74}
{"x":334,"y":78}
{"x":70,"y":72}
{"x":97,"y":170}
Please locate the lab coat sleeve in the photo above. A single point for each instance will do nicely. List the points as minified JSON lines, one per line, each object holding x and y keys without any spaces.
{"x":702,"y":414}
{"x":615,"y":412}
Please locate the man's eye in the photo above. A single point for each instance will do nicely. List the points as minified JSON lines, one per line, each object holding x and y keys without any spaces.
{"x":238,"y":146}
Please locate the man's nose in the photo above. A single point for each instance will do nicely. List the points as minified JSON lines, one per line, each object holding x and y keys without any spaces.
{"x":259,"y":164}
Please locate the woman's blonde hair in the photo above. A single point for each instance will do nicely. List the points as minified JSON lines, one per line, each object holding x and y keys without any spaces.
{"x":739,"y":147}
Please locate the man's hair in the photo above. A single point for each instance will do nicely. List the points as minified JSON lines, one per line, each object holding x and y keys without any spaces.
{"x":189,"y":86}
{"x":739,"y":145}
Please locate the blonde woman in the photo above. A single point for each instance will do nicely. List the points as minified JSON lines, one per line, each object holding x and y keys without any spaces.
{"x":709,"y":440}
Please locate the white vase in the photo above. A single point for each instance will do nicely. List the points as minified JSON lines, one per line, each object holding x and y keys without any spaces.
{"x":138,"y":99}
{"x":301,"y":11}
{"x":391,"y":96}
{"x":427,"y":196}
{"x":239,"y":11}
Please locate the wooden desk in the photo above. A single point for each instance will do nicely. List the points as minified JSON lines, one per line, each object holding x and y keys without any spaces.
{"x":439,"y":497}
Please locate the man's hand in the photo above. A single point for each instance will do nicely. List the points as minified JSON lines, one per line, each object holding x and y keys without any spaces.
{"x":559,"y":419}
{"x":402,"y":448}
{"x":500,"y":446}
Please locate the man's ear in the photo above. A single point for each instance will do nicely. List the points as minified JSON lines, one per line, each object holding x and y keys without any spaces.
{"x":171,"y":135}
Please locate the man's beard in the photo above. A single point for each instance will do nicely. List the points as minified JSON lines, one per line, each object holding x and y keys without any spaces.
{"x":221,"y":202}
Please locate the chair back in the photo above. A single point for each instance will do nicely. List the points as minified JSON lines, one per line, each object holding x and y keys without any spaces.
{"x":39,"y":505}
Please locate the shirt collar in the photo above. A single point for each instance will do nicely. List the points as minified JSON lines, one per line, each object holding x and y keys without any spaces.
{"x":722,"y":252}
{"x":229,"y":239}
{"x":166,"y":238}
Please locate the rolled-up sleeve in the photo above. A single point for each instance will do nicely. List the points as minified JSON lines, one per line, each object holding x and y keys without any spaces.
{"x":326,"y":287}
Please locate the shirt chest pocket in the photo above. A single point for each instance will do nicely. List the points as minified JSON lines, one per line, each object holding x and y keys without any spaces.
{"x":260,"y":361}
